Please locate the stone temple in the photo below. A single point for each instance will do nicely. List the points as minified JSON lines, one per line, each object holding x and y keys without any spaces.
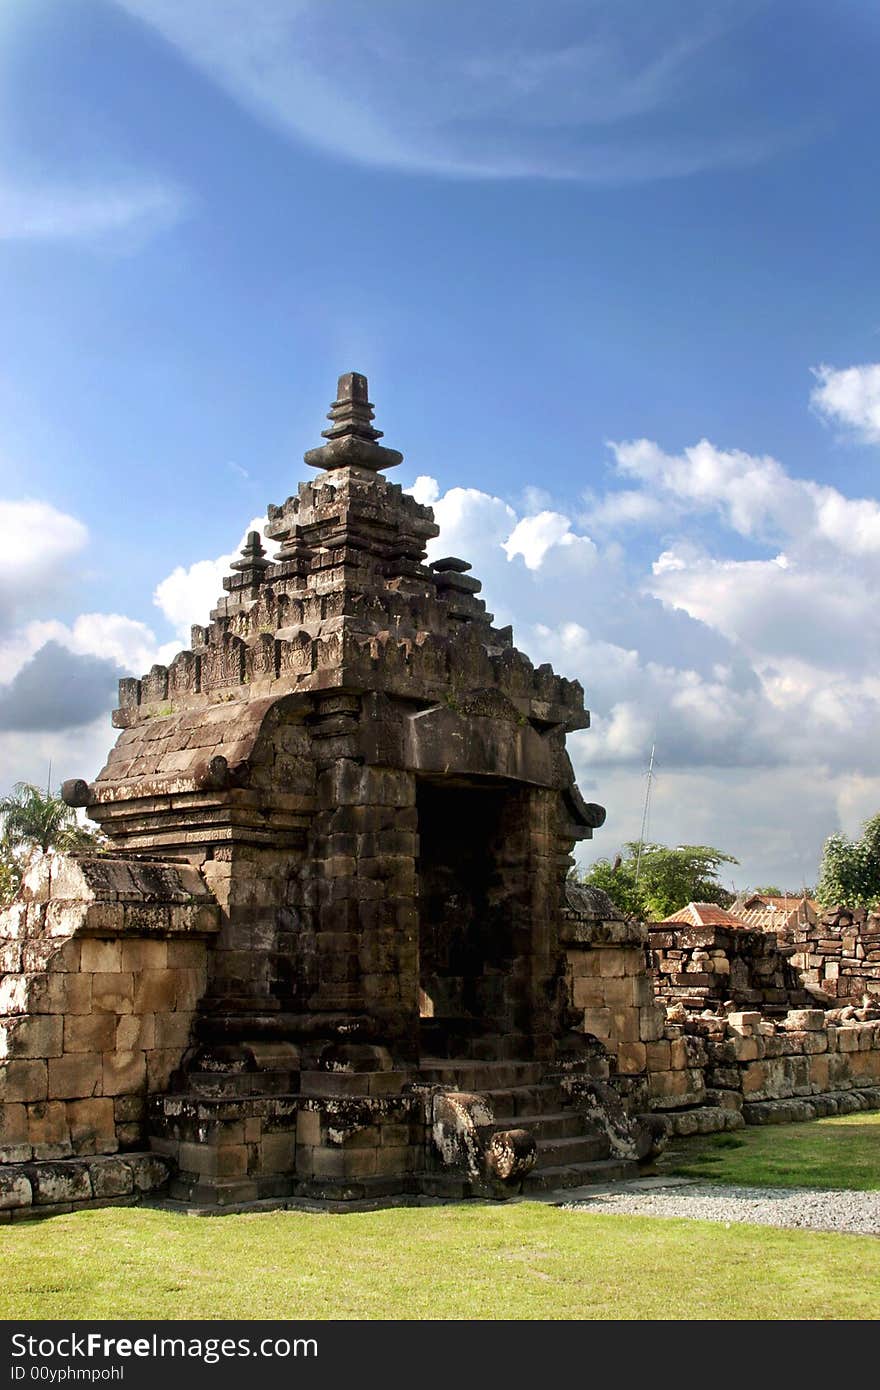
{"x":332,"y":953}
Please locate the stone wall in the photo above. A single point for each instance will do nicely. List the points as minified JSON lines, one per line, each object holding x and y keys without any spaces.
{"x":708,"y":1068}
{"x":609,"y":979}
{"x":719,"y":1072}
{"x":838,"y":960}
{"x":704,"y":967}
{"x":104,"y":963}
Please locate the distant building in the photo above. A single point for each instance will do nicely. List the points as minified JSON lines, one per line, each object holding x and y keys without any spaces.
{"x":785,"y":914}
{"x":703,"y":915}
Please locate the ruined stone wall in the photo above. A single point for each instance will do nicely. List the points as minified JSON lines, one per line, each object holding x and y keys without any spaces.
{"x":838,"y":960}
{"x":704,"y":967}
{"x":717,"y":1068}
{"x":609,"y":980}
{"x":104,"y":964}
{"x":718,"y":1072}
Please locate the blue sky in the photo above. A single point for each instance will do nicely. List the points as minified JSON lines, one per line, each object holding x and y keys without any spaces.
{"x":611,"y":270}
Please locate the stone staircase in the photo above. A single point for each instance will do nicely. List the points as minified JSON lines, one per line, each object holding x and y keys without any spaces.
{"x":572,"y":1149}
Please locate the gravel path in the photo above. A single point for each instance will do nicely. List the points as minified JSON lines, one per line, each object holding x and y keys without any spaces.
{"x":803,"y":1207}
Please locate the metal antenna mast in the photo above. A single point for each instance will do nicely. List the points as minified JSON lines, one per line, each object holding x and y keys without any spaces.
{"x":645,"y":813}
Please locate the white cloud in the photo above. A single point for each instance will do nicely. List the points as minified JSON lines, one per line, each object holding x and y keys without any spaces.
{"x":469,"y":520}
{"x":850,"y":397}
{"x":820,"y":613}
{"x":496,"y":91}
{"x":425,"y":490}
{"x":40,"y":545}
{"x":752,"y":494}
{"x":534,"y":536}
{"x":36,"y":535}
{"x":188,"y":594}
{"x":78,"y":752}
{"x":80,"y":213}
{"x":627,"y":507}
{"x":754,"y":677}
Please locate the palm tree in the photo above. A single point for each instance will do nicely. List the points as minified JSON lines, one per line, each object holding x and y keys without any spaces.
{"x":33,"y":819}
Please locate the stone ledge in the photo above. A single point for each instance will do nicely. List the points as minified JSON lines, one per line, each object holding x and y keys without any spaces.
{"x":71,"y":1184}
{"x":800,"y":1108}
{"x":702,"y":1119}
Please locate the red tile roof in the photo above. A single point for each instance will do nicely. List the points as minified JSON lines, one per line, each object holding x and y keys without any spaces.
{"x":704,"y":915}
{"x":785,"y":904}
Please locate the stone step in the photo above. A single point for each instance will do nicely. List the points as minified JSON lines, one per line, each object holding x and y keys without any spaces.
{"x":553,"y":1124}
{"x":579,"y":1175}
{"x":525,"y":1102}
{"x":213,"y":1085}
{"x":477,"y":1075}
{"x":559,"y":1153}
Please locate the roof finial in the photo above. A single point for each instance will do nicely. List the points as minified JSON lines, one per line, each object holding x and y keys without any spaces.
{"x":351,"y":436}
{"x":248,"y":572}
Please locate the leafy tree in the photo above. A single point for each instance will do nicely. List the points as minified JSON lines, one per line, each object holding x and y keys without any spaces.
{"x":10,"y":873}
{"x":770,"y":891}
{"x":34,"y":820}
{"x":849,"y":875}
{"x":668,"y":878}
{"x":619,"y":883}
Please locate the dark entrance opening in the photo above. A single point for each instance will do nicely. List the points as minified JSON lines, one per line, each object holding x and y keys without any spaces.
{"x":473,"y":918}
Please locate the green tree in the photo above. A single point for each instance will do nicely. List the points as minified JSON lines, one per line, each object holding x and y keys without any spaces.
{"x":37,"y":820}
{"x":849,"y":875}
{"x":771,"y":891}
{"x":10,"y":872}
{"x":660,"y":880}
{"x":618,"y":882}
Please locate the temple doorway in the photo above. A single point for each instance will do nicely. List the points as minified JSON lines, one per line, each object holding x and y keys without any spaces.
{"x":473,"y":917}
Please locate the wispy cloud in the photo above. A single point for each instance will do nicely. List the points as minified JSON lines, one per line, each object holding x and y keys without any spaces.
{"x":43,"y":212}
{"x":565,"y":90}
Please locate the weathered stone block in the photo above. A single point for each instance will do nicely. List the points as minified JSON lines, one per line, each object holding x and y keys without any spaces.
{"x":744,"y":1022}
{"x":47,"y":1129}
{"x":91,"y":1124}
{"x":588,"y":992}
{"x":26,"y":1080}
{"x":144,"y":954}
{"x":101,"y":957}
{"x":172,"y":1030}
{"x":631,"y":1057}
{"x":38,"y":1035}
{"x":74,"y":1076}
{"x":15,"y":1189}
{"x":149,"y":1171}
{"x":89,"y":1032}
{"x":155,"y":991}
{"x":113,"y":993}
{"x":112,"y":1178}
{"x":598,"y":1022}
{"x":13,"y":1125}
{"x":810,"y":1020}
{"x":123,"y":1072}
{"x":277,"y":1153}
{"x":651,"y":1023}
{"x":308,"y":1127}
{"x":55,"y":1183}
{"x":162,"y":1062}
{"x":657,"y":1055}
{"x":747,"y":1049}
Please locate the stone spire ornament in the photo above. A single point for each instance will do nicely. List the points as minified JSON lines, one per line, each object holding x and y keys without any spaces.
{"x":250,"y":570}
{"x":351,"y":439}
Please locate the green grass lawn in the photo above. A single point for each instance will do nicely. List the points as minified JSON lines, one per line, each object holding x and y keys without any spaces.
{"x":521,"y":1261}
{"x":840,"y":1152}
